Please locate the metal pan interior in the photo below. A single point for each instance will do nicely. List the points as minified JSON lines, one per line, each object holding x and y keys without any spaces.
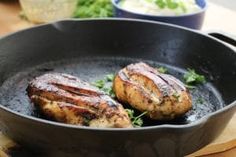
{"x":13,"y":91}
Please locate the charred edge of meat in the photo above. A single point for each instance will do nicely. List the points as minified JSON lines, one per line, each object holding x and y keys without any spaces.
{"x":84,"y":102}
{"x":144,"y":88}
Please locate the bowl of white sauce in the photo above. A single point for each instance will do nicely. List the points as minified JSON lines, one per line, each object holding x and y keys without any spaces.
{"x":187,"y":13}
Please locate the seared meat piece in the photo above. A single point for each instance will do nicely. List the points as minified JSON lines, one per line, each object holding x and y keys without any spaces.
{"x":144,"y":88}
{"x":68,"y":99}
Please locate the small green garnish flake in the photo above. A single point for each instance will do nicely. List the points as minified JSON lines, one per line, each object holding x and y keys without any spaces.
{"x":137,"y":121}
{"x":200,"y":100}
{"x":105,"y":85}
{"x":110,"y":77}
{"x":160,"y":3}
{"x":191,"y":77}
{"x":99,"y":83}
{"x":86,"y":121}
{"x":176,"y":95}
{"x":171,"y":4}
{"x":93,"y":9}
{"x":109,"y":91}
{"x":162,"y":70}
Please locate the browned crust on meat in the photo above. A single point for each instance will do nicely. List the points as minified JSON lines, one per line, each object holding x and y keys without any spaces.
{"x":68,"y":99}
{"x":163,"y":96}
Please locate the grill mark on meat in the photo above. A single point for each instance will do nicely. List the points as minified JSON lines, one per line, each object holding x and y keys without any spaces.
{"x":144,"y":88}
{"x":75,"y":101}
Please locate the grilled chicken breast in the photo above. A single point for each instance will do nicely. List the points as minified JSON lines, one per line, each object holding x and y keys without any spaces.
{"x":68,"y":99}
{"x":162,"y":96}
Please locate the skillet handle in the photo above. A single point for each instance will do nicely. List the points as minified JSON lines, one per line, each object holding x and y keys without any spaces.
{"x":227,"y":38}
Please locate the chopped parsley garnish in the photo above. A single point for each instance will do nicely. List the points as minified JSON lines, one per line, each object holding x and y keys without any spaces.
{"x":200,"y":100}
{"x":171,"y":4}
{"x":99,"y":83}
{"x":160,"y":3}
{"x":137,"y":121}
{"x":191,"y":77}
{"x":110,"y":77}
{"x":109,"y":91}
{"x":176,"y":95}
{"x":86,"y":121}
{"x":93,"y":9}
{"x":162,"y":70}
{"x":105,"y":85}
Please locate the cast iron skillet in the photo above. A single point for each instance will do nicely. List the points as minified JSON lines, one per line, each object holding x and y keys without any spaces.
{"x":91,"y":49}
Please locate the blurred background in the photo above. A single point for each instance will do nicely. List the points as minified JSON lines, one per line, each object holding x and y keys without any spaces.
{"x":219,"y":15}
{"x":231,"y":4}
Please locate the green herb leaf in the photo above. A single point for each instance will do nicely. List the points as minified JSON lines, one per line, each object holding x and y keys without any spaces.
{"x":109,"y":91}
{"x":105,"y":85}
{"x":130,"y":113}
{"x":136,"y":121}
{"x":93,"y":8}
{"x":176,"y":95}
{"x":191,"y":77}
{"x":200,"y":100}
{"x":172,"y":4}
{"x":162,"y":70}
{"x":99,"y":83}
{"x":160,"y":3}
{"x":110,"y":77}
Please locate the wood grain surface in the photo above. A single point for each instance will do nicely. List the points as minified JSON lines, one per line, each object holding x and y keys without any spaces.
{"x":217,"y":18}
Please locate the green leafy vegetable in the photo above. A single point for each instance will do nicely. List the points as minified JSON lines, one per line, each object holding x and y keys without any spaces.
{"x":137,"y":121}
{"x":191,"y":77}
{"x":162,"y":70}
{"x":94,"y":9}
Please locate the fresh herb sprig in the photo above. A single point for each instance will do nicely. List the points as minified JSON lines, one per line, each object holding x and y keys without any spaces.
{"x":192,"y":78}
{"x":162,"y":70}
{"x":137,"y":121}
{"x":93,"y":9}
{"x":104,"y":85}
{"x":99,"y":83}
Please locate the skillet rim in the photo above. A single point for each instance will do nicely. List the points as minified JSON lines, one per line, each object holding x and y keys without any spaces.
{"x":196,"y":123}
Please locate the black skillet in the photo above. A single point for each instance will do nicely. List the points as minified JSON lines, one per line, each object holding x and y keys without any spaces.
{"x":91,"y":49}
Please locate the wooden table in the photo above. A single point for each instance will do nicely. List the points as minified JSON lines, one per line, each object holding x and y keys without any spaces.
{"x":217,"y":18}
